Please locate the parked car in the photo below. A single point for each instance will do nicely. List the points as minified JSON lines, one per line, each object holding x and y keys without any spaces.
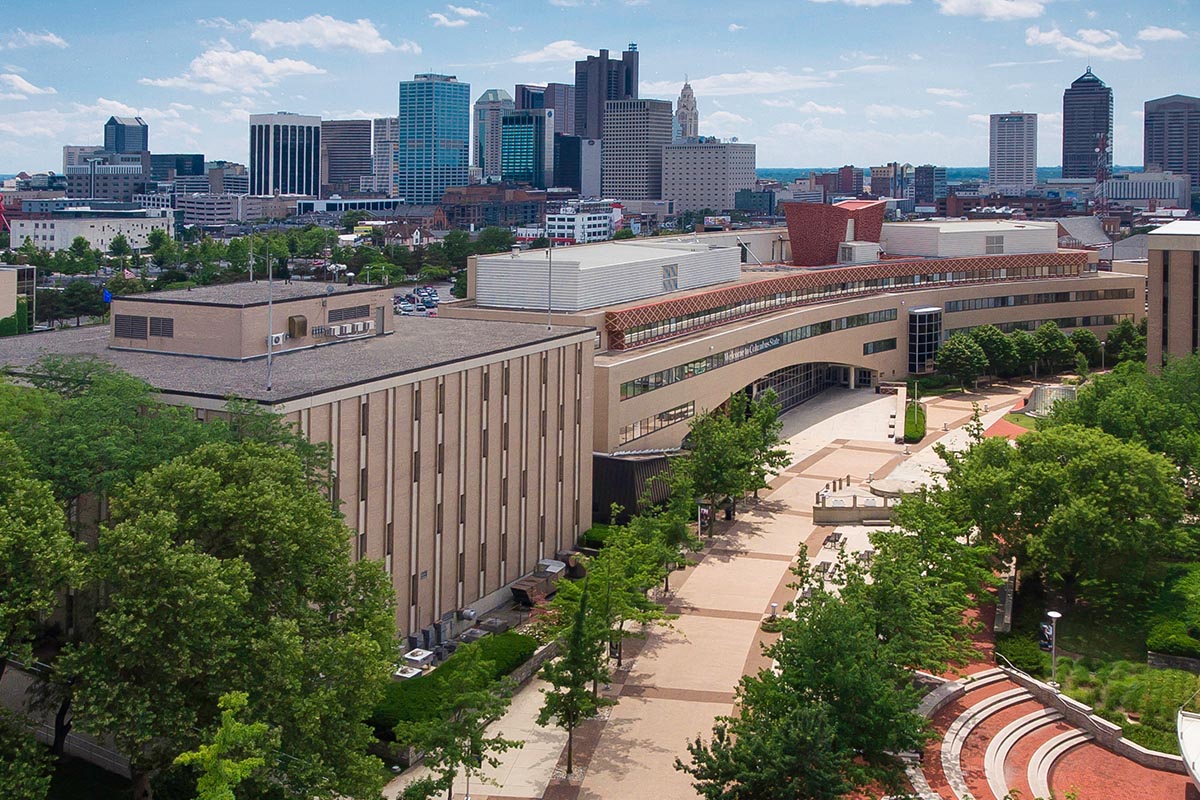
{"x":406,"y":306}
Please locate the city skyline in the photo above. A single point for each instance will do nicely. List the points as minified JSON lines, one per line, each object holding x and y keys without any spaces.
{"x":863,"y":85}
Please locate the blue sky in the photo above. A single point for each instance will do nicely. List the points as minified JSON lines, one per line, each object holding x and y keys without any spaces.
{"x":812,"y":82}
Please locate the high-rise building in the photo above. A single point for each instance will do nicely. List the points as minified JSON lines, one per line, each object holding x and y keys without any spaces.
{"x":1012,"y":157}
{"x":635,"y":132}
{"x":892,"y":180}
{"x":561,"y":98}
{"x":434,"y":137}
{"x":490,"y":108}
{"x":345,"y":154}
{"x":527,"y":96}
{"x":929,"y":183}
{"x":599,"y":79}
{"x":527,"y":147}
{"x":164,"y":166}
{"x":1087,"y":128}
{"x":577,"y":164}
{"x":285,"y":154}
{"x":687,"y":117}
{"x":126,"y":135}
{"x":110,"y":176}
{"x":1173,"y":283}
{"x":383,"y":159}
{"x":76,"y":155}
{"x":1172,"y":136}
{"x":849,"y":180}
{"x":700,"y":173}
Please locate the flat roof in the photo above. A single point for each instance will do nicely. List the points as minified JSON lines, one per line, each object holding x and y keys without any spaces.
{"x":606,"y":254}
{"x":974,"y":225}
{"x":418,"y":343}
{"x":245,"y":294}
{"x":1182,"y":227}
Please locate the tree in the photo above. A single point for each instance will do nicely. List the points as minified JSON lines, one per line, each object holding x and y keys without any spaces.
{"x":759,"y":417}
{"x":237,"y":751}
{"x":1053,"y":348}
{"x":1000,"y":350}
{"x":352,"y":218}
{"x":829,"y":718}
{"x":164,"y":637}
{"x":455,"y":739}
{"x":540,"y":243}
{"x":624,"y":233}
{"x":49,"y":306}
{"x":457,"y":247}
{"x":1025,"y":350}
{"x":157,"y":239}
{"x":82,"y":299}
{"x":119,"y":247}
{"x":716,"y":459}
{"x":494,"y":240}
{"x":80,"y":249}
{"x":1086,"y":344}
{"x":570,"y":699}
{"x":37,"y":555}
{"x":962,"y":359}
{"x":24,"y":763}
{"x":1126,"y":342}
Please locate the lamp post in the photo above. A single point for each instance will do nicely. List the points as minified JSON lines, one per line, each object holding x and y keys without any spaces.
{"x":1054,"y":616}
{"x":1103,"y":349}
{"x":549,"y":283}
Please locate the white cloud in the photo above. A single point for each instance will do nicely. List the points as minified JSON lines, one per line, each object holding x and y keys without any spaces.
{"x":19,"y":38}
{"x":739,"y":83}
{"x":1153,"y":33}
{"x":467,"y":11}
{"x":1026,"y":63}
{"x":1020,"y":86}
{"x":992,"y":9}
{"x":19,"y":88}
{"x":326,"y":33}
{"x":562,"y":50}
{"x":442,"y":21}
{"x":778,"y":102}
{"x":915,"y":57}
{"x":940,"y":92}
{"x":859,"y":55}
{"x":816,"y":108}
{"x":227,"y":70}
{"x":951,"y":104}
{"x":865,"y":68}
{"x":217,"y":22}
{"x":866,"y":3}
{"x":1088,"y":43}
{"x":723,"y":124}
{"x":566,"y":3}
{"x":734,"y":27}
{"x":878,"y":111}
{"x":979,"y":119}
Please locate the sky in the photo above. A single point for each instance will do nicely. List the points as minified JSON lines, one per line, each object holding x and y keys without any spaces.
{"x":811,"y":82}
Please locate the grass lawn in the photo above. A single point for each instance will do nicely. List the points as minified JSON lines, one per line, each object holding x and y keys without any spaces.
{"x":1023,"y":420}
{"x":914,"y":422}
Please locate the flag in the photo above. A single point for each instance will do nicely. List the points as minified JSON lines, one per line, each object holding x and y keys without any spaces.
{"x":128,"y":274}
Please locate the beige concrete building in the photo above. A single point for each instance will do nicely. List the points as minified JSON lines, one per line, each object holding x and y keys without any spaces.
{"x":8,"y":293}
{"x":57,"y":231}
{"x":1174,"y":291}
{"x":664,"y":358}
{"x":461,"y":448}
{"x":705,"y":173}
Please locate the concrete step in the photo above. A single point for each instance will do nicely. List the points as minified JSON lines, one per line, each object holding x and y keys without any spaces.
{"x":1043,"y":760}
{"x":960,"y":729}
{"x":1004,"y":741}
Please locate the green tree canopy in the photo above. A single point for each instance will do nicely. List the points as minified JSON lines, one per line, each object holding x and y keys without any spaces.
{"x":25,"y":764}
{"x":1054,"y":349}
{"x":238,"y":750}
{"x":962,"y":359}
{"x":494,"y":240}
{"x":624,"y":233}
{"x":1000,"y":350}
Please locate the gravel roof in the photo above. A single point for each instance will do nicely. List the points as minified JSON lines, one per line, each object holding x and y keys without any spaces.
{"x":249,"y":294}
{"x":418,"y":343}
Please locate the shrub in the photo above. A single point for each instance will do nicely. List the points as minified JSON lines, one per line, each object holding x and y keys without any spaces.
{"x":1153,"y":738}
{"x":418,"y":699}
{"x":596,"y":536}
{"x":1023,"y":652}
{"x":1172,"y":638}
{"x":914,"y":423}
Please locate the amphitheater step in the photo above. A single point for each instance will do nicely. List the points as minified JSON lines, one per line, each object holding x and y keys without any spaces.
{"x":1002,"y":743}
{"x":960,"y":729}
{"x":1043,"y":760}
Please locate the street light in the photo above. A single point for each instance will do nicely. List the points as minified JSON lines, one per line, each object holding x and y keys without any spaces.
{"x":1054,"y":616}
{"x":1103,"y":348}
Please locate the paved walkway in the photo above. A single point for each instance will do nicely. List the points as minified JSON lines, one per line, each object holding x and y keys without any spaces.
{"x":684,"y":676}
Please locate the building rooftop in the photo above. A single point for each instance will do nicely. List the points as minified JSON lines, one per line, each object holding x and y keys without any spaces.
{"x":244,"y":294}
{"x":1183,"y":227}
{"x":606,"y":254}
{"x":975,"y":225}
{"x":417,"y":344}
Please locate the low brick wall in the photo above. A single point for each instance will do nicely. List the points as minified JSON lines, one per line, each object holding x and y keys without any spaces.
{"x":524,"y":673}
{"x":1106,"y":734}
{"x":1164,"y":661}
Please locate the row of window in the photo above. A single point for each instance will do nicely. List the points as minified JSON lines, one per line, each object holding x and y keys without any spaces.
{"x":130,"y":326}
{"x":1093,"y":321}
{"x":654,"y":422}
{"x":879,"y":346}
{"x":676,"y":326}
{"x":657,"y":380}
{"x":1004,"y":301}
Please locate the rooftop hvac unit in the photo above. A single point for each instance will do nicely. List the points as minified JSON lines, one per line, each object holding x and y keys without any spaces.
{"x":359,"y":327}
{"x":275,"y":339}
{"x":370,"y":324}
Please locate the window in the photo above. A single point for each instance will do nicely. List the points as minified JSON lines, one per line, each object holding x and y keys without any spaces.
{"x":994,"y":245}
{"x":126,"y":326}
{"x":880,"y":346}
{"x":654,"y":422}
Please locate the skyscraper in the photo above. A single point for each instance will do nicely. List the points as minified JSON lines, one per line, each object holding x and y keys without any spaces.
{"x":687,"y":116}
{"x":1012,"y":157}
{"x":929,"y":183}
{"x":1172,"y":136}
{"x":527,"y":96}
{"x":635,"y":132}
{"x":126,"y":135}
{"x":383,"y":155}
{"x":560,"y":97}
{"x":433,"y":138}
{"x":490,"y":108}
{"x":345,"y":154}
{"x":1087,"y":124}
{"x":527,"y":147}
{"x":285,"y":154}
{"x":599,"y":79}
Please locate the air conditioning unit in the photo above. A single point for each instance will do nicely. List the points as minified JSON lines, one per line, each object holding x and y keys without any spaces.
{"x":359,"y":327}
{"x":276,"y":339}
{"x":335,"y":330}
{"x":370,"y":324}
